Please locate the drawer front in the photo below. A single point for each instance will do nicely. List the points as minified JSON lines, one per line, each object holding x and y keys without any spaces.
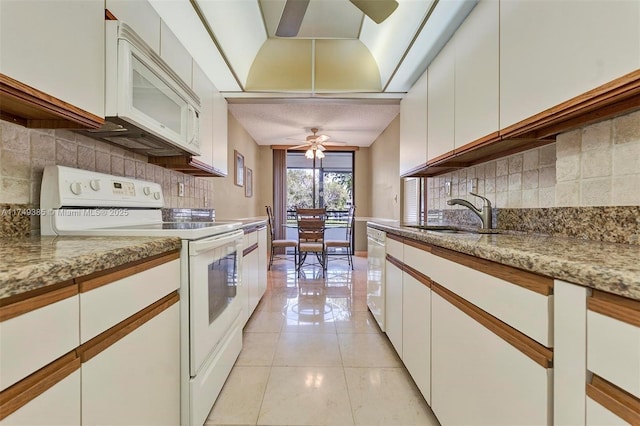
{"x":30,"y":341}
{"x":250,"y":239}
{"x":525,"y":310}
{"x":613,"y":351}
{"x":103,"y":307}
{"x":419,"y":260}
{"x":395,"y":248}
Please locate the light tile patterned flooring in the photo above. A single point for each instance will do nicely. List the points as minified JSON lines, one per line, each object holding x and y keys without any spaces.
{"x":313,"y":355}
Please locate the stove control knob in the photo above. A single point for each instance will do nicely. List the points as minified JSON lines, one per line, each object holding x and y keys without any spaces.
{"x":146,"y":190}
{"x":156,"y":195}
{"x":95,"y":184}
{"x":76,"y":188}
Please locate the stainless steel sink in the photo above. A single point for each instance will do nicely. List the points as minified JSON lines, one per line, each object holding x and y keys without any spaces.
{"x":443,"y":229}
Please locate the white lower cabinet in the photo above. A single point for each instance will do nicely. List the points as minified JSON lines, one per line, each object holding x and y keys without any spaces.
{"x":478,"y":378}
{"x":393,"y":303}
{"x":106,"y":357}
{"x":416,"y":332}
{"x":254,"y":269}
{"x":597,"y":415}
{"x":136,"y":379}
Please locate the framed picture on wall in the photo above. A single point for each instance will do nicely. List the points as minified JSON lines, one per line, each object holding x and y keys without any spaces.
{"x":248,"y":183}
{"x":239,"y":168}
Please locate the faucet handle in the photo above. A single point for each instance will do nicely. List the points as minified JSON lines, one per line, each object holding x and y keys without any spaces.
{"x":485,"y":201}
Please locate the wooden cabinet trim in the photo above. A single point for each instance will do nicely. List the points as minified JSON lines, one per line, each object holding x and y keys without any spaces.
{"x":249,"y":249}
{"x":20,"y":394}
{"x":33,"y":108}
{"x":14,"y":306}
{"x":614,"y":306}
{"x":98,"y":279}
{"x":104,"y":340}
{"x":395,"y":237}
{"x":614,"y":399}
{"x":418,"y":244}
{"x":188,"y":165}
{"x":419,"y":276}
{"x":534,"y":350}
{"x":530,"y":281}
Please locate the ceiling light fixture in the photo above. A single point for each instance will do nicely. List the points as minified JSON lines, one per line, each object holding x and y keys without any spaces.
{"x":311,"y":152}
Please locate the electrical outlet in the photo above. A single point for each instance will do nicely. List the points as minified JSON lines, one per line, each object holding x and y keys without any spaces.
{"x":206,"y":202}
{"x":180,"y":189}
{"x":447,"y":188}
{"x":472,"y":185}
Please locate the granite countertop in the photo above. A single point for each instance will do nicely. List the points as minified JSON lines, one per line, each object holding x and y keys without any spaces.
{"x":610,"y":267}
{"x":36,"y":262}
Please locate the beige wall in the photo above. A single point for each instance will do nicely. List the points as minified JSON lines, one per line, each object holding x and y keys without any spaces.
{"x":597,"y":165}
{"x":384,"y":173}
{"x":229,"y":199}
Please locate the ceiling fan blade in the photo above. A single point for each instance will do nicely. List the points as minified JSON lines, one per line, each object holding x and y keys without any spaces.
{"x":321,"y":138}
{"x":299,"y":146}
{"x":334,"y":143}
{"x":291,"y":18}
{"x":377,"y":10}
{"x":320,"y":147}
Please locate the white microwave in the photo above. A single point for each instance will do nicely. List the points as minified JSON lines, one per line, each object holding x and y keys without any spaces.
{"x":148,"y":107}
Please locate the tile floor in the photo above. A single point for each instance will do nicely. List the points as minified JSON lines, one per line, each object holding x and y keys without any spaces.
{"x":313,"y":355}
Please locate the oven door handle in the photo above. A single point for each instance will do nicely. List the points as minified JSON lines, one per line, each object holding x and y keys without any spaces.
{"x":206,"y":244}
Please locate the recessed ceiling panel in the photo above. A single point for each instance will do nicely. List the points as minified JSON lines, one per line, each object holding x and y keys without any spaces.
{"x":389,"y":40}
{"x":345,"y":66}
{"x":238,"y":27}
{"x":282,"y":65}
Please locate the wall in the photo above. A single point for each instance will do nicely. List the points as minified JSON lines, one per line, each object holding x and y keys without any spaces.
{"x":385,"y":171}
{"x":25,"y":152}
{"x":597,"y":165}
{"x":230,"y":201}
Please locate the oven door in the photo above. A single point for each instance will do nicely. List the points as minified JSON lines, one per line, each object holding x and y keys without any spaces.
{"x":214,"y":277}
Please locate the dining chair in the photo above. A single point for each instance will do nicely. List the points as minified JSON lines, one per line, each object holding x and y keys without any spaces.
{"x":280,"y":243}
{"x":341,"y":249}
{"x":311,"y":226}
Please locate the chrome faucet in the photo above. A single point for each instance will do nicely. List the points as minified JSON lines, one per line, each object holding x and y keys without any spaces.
{"x":484,"y":214}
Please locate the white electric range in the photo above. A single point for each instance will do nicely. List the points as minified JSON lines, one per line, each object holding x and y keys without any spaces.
{"x":83,"y":203}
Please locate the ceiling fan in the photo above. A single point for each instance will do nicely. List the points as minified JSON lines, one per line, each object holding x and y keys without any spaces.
{"x":315,"y":144}
{"x":294,"y":10}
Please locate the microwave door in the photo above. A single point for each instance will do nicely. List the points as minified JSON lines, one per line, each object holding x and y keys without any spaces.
{"x":147,"y":100}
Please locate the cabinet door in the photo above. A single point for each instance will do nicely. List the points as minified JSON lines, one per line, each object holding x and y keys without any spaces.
{"x":416,"y":332}
{"x":476,"y":74}
{"x":440,"y":132}
{"x":137,"y":379}
{"x":552,"y":51}
{"x":262,"y":261}
{"x":204,"y":88}
{"x":140,"y":16}
{"x":413,"y":126}
{"x":58,"y":405}
{"x":478,"y":378}
{"x":220,"y":132}
{"x":174,"y":54}
{"x":251,"y":263}
{"x":56,"y":47}
{"x":393,"y":305}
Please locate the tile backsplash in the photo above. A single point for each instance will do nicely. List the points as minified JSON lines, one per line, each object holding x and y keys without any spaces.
{"x":597,"y":165}
{"x":25,"y":152}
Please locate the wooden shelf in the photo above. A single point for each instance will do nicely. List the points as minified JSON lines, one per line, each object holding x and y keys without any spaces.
{"x":188,"y":165}
{"x":29,"y":107}
{"x":615,"y":98}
